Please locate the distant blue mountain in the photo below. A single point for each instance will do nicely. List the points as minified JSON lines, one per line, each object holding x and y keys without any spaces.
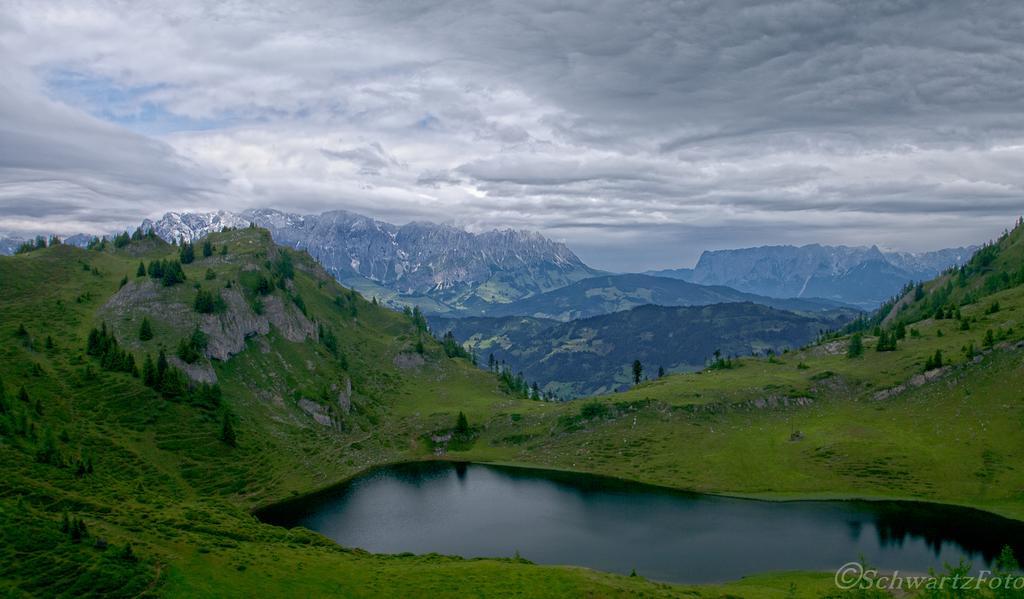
{"x":860,"y":276}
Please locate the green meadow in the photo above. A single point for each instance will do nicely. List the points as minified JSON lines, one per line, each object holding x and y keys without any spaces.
{"x":332,"y":384}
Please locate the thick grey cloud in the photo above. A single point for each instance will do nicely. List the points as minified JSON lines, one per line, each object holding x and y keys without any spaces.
{"x":639,"y":132}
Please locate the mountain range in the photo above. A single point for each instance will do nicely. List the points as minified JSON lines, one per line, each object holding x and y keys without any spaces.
{"x":861,"y":276}
{"x":438,"y":267}
{"x":450,"y":271}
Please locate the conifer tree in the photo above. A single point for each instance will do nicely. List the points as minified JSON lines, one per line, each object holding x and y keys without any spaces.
{"x":128,"y":554}
{"x":145,"y":330}
{"x":187,"y":253}
{"x":172,"y":273}
{"x":461,"y":425}
{"x":638,"y":370}
{"x":173,"y":384}
{"x":856,"y":347}
{"x":149,"y":376}
{"x":161,"y":364}
{"x":141,"y":270}
{"x":207,"y":249}
{"x":227,"y":431}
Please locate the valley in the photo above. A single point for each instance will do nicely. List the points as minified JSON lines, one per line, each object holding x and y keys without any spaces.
{"x":595,"y":355}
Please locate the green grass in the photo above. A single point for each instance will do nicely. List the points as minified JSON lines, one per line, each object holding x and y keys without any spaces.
{"x":251,"y":570}
{"x":166,"y":484}
{"x":932,"y":443}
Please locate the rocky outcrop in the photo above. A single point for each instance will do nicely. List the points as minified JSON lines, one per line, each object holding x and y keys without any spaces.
{"x":345,"y":397}
{"x":915,"y":381}
{"x":200,"y":372}
{"x":226,"y":332}
{"x":771,"y":402}
{"x":316,"y":411}
{"x":406,"y":360}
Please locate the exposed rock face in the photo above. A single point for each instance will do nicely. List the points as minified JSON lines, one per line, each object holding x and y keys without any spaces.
{"x":407,"y":360}
{"x":318,"y":412}
{"x":345,"y":397}
{"x":445,"y":263}
{"x":200,"y":372}
{"x":226,"y":332}
{"x":915,"y":381}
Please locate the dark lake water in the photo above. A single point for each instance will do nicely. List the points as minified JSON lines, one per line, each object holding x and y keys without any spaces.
{"x":560,"y":518}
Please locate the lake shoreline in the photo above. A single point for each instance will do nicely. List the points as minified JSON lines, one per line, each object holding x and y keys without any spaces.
{"x":768,"y":497}
{"x":370,"y":513}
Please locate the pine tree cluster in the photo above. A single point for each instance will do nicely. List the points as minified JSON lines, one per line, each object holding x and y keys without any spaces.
{"x":207,"y":302}
{"x":191,"y":348}
{"x":167,"y":271}
{"x":452,"y":348}
{"x":103,"y":345}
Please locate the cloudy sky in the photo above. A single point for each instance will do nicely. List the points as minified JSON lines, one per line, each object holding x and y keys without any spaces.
{"x":638,"y":132}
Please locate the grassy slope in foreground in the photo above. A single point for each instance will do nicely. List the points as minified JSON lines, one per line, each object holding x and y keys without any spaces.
{"x":165,"y":501}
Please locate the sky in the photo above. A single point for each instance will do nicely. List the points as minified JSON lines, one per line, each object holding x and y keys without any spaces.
{"x":639,"y":133}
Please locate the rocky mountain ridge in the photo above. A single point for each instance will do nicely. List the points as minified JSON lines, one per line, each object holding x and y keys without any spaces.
{"x":447,"y":267}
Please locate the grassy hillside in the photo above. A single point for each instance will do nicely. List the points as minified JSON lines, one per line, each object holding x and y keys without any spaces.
{"x":157,"y":498}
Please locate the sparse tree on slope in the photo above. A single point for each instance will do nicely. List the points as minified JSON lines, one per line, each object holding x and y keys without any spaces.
{"x":145,"y":330}
{"x":856,"y":347}
{"x":461,"y":425}
{"x":227,"y":431}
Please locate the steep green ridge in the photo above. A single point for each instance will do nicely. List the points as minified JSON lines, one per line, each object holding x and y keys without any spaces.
{"x":594,"y":355}
{"x":156,"y":497}
{"x":138,"y":468}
